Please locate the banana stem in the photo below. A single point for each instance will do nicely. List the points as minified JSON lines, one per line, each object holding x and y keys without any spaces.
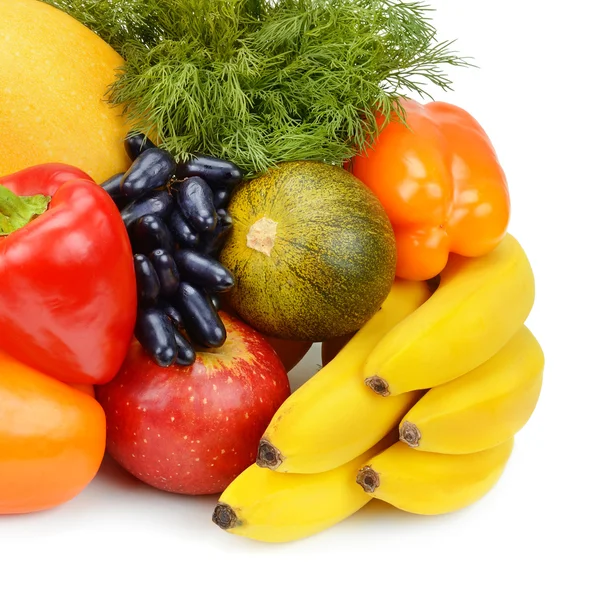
{"x":378,"y":385}
{"x":224,"y":516}
{"x":268,"y":457}
{"x":368,"y":479}
{"x":410,"y":434}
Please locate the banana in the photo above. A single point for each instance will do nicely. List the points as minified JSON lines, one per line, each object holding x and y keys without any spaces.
{"x":334,"y":417}
{"x":283,"y":507}
{"x":483,"y":408}
{"x":432,"y":484}
{"x":478,"y":307}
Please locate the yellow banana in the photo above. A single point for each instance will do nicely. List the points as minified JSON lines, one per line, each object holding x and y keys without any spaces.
{"x":483,"y":408}
{"x":282,"y":507}
{"x":479,"y":305}
{"x":334,"y":417}
{"x":432,"y":484}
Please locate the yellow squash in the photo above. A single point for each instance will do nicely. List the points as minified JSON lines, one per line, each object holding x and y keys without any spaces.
{"x":54,"y":74}
{"x":334,"y":417}
{"x":483,"y":408}
{"x":432,"y":484}
{"x":480,"y":304}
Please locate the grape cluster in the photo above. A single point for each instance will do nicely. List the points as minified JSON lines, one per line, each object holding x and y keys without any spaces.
{"x":177,"y":220}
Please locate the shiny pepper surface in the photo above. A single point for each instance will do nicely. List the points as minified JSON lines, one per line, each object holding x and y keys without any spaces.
{"x":52,"y":439}
{"x":440,"y":182}
{"x":67,"y":282}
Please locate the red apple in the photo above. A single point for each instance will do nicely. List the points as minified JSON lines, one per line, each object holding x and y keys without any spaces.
{"x":192,"y":430}
{"x":291,"y":352}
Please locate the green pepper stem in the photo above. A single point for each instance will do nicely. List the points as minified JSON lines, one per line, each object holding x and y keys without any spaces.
{"x":18,"y":211}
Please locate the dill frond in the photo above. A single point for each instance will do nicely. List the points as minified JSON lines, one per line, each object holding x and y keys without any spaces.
{"x":264,"y":81}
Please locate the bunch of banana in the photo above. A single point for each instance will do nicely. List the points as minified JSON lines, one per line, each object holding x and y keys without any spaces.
{"x":432,"y":484}
{"x":480,"y":304}
{"x":483,"y":408}
{"x":334,"y":417}
{"x":454,"y":376}
{"x":282,"y":507}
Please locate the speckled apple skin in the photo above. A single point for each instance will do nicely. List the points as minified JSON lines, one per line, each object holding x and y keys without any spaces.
{"x":192,"y":430}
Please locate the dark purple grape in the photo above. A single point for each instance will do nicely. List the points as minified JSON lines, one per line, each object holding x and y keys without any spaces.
{"x":218,"y":173}
{"x":136,"y":144}
{"x":182,"y":231}
{"x":166,"y":270}
{"x":216,"y":301}
{"x":203,"y":271}
{"x":202,"y":323}
{"x":195,"y":199}
{"x":147,"y":281}
{"x":156,"y":334}
{"x":172,"y":313}
{"x":224,"y":216}
{"x":150,"y":233}
{"x":158,"y":202}
{"x":221,"y":198}
{"x":150,"y":170}
{"x":186,"y":355}
{"x":113,"y":187}
{"x":213,"y":242}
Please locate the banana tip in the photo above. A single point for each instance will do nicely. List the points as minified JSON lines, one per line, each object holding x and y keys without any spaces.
{"x":268,"y":456}
{"x":224,"y":516}
{"x":368,"y":479}
{"x":410,"y":434}
{"x":378,"y":385}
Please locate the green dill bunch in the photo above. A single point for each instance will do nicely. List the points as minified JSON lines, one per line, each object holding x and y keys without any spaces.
{"x":260,"y":82}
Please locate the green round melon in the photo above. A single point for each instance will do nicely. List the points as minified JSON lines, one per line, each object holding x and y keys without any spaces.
{"x":312,"y":251}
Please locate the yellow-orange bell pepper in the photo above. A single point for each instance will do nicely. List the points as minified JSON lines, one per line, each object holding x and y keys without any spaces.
{"x":440,"y":182}
{"x":52,"y":439}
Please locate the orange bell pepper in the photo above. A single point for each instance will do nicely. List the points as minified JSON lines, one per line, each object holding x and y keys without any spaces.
{"x":52,"y":439}
{"x":86,"y":388}
{"x":440,"y":182}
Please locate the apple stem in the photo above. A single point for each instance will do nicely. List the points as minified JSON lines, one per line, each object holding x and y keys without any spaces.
{"x":224,"y":516}
{"x":268,"y":456}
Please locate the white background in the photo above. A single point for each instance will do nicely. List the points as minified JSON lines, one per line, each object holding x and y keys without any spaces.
{"x":537,"y":532}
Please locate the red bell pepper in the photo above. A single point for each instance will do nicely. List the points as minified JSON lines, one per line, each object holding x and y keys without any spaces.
{"x":67,"y":295}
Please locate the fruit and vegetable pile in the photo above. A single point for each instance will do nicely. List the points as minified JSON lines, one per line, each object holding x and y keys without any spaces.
{"x":192,"y":194}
